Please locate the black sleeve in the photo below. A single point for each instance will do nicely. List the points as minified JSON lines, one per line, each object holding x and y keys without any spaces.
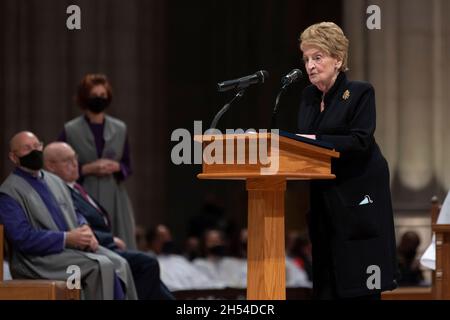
{"x":362,"y":124}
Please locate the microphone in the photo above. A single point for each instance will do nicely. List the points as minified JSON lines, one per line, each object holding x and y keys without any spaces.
{"x":291,"y":77}
{"x":243,"y":82}
{"x":288,"y":79}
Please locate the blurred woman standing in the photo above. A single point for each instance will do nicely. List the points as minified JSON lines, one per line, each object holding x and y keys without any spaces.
{"x":102,"y":146}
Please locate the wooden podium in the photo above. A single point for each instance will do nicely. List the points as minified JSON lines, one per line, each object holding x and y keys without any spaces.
{"x":297,"y":160}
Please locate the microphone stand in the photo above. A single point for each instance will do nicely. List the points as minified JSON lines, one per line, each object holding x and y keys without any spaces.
{"x":225,"y":108}
{"x":275,"y":109}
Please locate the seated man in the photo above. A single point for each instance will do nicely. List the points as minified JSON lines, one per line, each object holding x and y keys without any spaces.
{"x":46,"y":235}
{"x":409,"y":266}
{"x":217,"y":265}
{"x":177,"y":272}
{"x":61,"y":160}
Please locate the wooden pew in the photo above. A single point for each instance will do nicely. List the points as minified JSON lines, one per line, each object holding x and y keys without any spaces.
{"x":33,"y":289}
{"x":441,"y":276}
{"x":440,"y":288}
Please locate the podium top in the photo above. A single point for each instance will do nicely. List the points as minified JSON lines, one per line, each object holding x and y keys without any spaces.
{"x":321,"y":147}
{"x":289,"y":157}
{"x":322,"y":144}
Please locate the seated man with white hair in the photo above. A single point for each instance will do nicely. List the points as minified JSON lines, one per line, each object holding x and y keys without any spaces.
{"x":61,"y":159}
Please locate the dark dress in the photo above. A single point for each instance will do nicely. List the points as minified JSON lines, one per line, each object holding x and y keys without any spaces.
{"x":350,"y":218}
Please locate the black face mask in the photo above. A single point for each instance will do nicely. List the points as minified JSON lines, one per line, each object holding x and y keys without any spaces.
{"x":33,"y":161}
{"x":168,"y":247}
{"x":218,"y":251}
{"x":192,"y":255}
{"x":97,"y":104}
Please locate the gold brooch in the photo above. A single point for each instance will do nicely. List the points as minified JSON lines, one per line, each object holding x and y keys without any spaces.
{"x":346,"y":95}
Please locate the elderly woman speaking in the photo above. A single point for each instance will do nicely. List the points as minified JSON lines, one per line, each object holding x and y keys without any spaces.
{"x":350,"y":218}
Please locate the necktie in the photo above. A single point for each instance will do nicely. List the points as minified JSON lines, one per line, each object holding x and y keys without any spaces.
{"x":83,"y":192}
{"x":86,"y":197}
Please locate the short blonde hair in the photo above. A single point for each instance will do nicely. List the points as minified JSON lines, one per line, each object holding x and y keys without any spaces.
{"x":330,"y":38}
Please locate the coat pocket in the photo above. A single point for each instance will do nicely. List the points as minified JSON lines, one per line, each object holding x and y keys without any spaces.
{"x":360,"y":216}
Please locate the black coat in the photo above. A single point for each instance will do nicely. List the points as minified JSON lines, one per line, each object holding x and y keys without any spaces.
{"x":95,"y":219}
{"x":347,"y":235}
{"x":145,"y":268}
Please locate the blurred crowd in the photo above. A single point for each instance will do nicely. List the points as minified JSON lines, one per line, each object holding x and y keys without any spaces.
{"x":216,"y":260}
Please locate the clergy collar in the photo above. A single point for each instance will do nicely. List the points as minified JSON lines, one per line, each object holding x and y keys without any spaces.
{"x":330,"y":94}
